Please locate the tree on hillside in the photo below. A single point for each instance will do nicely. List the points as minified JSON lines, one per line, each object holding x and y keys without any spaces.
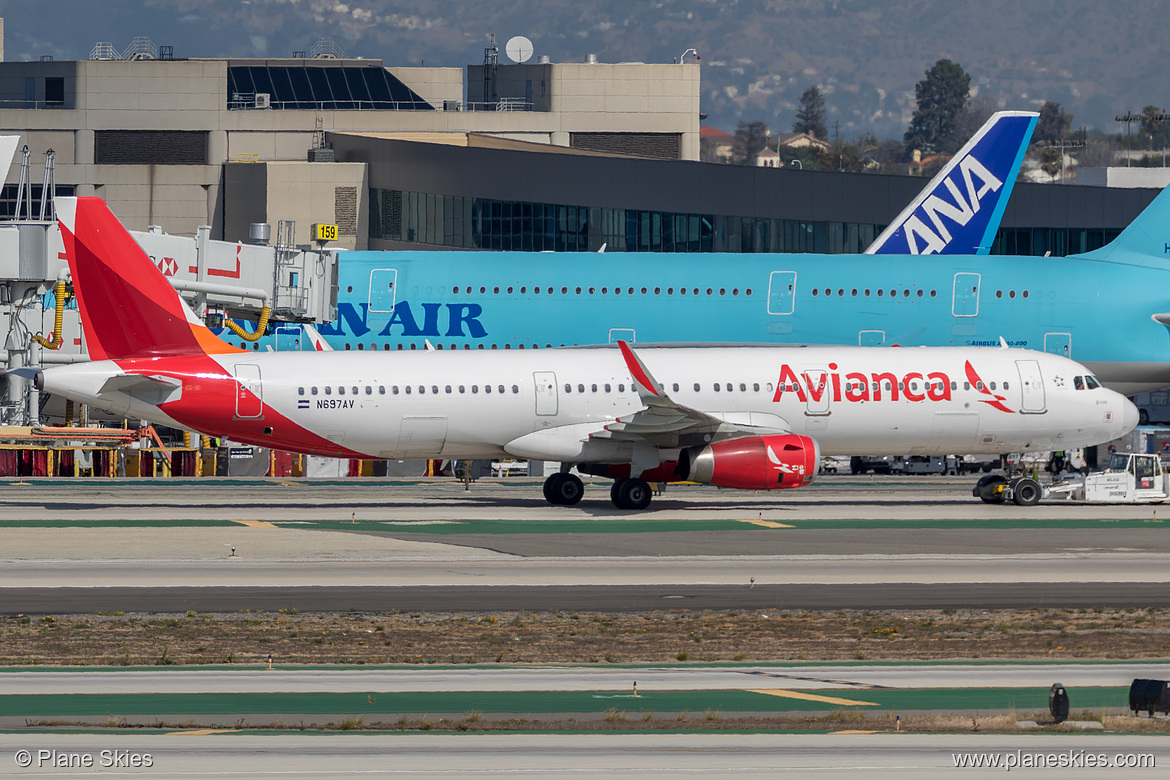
{"x":1053,"y":123}
{"x":750,"y":140}
{"x":889,"y":156}
{"x":968,"y":121}
{"x":940,"y":96}
{"x":811,"y":116}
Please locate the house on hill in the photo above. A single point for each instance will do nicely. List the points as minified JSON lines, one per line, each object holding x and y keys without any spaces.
{"x":719,"y":142}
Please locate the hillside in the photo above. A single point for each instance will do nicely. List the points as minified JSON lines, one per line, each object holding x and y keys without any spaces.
{"x":757,"y":55}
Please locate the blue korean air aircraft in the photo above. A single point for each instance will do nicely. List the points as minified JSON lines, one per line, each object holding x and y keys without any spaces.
{"x":400,"y":300}
{"x":1106,"y":308}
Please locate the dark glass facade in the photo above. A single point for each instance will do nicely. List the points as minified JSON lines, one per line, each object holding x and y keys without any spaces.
{"x":483,"y":223}
{"x":314,"y":86}
{"x":466,"y":222}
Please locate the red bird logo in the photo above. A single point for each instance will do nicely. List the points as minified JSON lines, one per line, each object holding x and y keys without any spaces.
{"x":978,"y":383}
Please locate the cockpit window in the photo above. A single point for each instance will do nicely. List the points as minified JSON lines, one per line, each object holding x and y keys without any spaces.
{"x":1079,"y":382}
{"x":1092,"y":383}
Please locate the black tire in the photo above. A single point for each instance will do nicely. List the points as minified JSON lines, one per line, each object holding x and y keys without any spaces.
{"x":985,"y":490}
{"x":634,"y":494}
{"x":986,"y":468}
{"x":552,"y":488}
{"x":569,"y":490}
{"x":855,"y":465}
{"x":1027,"y":492}
{"x":1143,"y":417}
{"x":615,"y":492}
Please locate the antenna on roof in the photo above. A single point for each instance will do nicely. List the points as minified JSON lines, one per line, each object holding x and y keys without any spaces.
{"x":326,"y":49}
{"x":519,"y":49}
{"x":491,"y":59}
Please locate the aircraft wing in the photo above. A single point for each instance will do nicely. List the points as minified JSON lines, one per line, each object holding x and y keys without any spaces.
{"x":666,"y":423}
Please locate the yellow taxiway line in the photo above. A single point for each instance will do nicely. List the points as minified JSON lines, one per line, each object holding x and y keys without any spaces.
{"x":814,"y":697}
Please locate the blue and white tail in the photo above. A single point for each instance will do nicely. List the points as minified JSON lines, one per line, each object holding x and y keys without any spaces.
{"x":959,"y":211}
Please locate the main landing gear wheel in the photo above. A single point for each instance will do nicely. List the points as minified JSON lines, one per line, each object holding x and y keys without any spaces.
{"x":630,"y":494}
{"x":986,"y":489}
{"x":563,"y":489}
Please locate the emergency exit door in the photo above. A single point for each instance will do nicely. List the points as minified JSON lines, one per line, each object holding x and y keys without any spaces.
{"x":249,"y":391}
{"x":546,"y":392}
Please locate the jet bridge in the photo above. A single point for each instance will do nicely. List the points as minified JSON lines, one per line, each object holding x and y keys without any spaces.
{"x":221,"y":280}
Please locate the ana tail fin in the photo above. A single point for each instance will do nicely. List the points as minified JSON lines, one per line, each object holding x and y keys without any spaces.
{"x":1144,"y":238}
{"x":959,"y":211}
{"x":127,"y":307}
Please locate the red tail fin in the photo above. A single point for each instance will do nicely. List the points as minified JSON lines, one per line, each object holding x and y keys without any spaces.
{"x":127,"y":307}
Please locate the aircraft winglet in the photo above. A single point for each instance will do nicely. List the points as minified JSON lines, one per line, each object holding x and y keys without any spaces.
{"x":643,"y":381}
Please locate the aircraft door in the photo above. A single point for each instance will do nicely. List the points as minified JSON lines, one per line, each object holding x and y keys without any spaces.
{"x":288,"y":338}
{"x":871,"y":338}
{"x":249,"y":391}
{"x":421,"y":436}
{"x":383,"y":289}
{"x":1031,"y":387}
{"x":965,"y":302}
{"x":1058,"y":344}
{"x":545,"y":383}
{"x":627,"y":335}
{"x":782,"y":292}
{"x":816,"y":380}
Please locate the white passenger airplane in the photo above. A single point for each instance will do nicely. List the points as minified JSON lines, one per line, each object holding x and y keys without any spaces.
{"x":745,"y":417}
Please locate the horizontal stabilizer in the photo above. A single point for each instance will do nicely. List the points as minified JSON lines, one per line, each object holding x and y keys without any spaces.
{"x":153,"y":390}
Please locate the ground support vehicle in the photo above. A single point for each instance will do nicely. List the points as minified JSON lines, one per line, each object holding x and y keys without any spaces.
{"x":1131,"y":478}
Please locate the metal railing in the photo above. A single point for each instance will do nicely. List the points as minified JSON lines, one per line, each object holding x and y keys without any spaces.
{"x":247,"y":102}
{"x":503,"y":104}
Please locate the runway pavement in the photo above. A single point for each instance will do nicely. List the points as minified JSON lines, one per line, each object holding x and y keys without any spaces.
{"x":166,"y":545}
{"x":877,"y":756}
{"x":577,"y":598}
{"x":791,"y":676}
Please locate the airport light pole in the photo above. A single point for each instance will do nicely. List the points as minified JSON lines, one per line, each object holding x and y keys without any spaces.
{"x":1062,"y":146}
{"x":1128,"y":118}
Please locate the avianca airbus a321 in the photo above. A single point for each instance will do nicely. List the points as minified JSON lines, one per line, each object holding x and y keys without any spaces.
{"x":745,"y":417}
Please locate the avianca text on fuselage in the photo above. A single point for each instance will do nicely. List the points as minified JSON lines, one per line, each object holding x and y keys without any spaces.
{"x":859,"y":386}
{"x":978,"y":181}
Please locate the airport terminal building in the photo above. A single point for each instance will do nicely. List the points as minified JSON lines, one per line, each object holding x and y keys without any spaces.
{"x":535,"y":156}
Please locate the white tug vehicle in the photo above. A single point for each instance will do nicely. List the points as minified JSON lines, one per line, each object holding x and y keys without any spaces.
{"x":1131,"y":478}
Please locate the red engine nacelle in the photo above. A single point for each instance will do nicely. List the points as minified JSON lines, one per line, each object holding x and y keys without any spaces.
{"x":755,"y":463}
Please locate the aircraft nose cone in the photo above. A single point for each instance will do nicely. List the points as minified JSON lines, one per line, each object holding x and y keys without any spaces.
{"x":1129,"y":416}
